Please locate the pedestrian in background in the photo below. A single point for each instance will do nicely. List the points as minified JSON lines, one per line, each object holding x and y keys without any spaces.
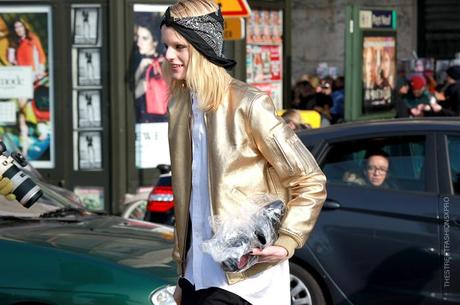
{"x":451,"y":95}
{"x":303,"y":95}
{"x":228,"y":131}
{"x":323,"y":105}
{"x":416,"y":98}
{"x":338,"y":100}
{"x":293,"y":119}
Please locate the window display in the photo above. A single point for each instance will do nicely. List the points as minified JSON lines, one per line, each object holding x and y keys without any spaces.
{"x":26,"y":82}
{"x":149,"y":87}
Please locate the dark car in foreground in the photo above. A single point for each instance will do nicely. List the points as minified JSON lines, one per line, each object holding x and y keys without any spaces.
{"x":397,"y":244}
{"x":57,"y":253}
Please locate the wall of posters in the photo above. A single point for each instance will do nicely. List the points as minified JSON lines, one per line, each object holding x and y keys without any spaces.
{"x":87,"y":86}
{"x":379,"y":73}
{"x":265,"y":26}
{"x":149,"y":87}
{"x":264,"y":53}
{"x":26,"y":81}
{"x":265,"y":63}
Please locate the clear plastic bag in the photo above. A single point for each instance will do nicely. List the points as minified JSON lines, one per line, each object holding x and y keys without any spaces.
{"x":254,"y":225}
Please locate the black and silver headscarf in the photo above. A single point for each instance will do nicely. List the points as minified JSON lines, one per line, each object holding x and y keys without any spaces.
{"x":205,"y":33}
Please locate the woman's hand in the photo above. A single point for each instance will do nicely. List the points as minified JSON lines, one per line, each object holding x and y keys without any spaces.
{"x":145,"y":62}
{"x":271,"y":254}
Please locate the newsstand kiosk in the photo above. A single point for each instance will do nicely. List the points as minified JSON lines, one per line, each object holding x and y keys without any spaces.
{"x":370,"y":63}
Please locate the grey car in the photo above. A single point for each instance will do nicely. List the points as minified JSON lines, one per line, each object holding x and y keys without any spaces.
{"x":397,"y":243}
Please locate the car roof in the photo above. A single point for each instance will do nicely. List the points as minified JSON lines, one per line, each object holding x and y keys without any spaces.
{"x":379,"y":126}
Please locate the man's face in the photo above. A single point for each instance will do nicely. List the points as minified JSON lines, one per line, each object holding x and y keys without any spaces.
{"x":377,"y":170}
{"x":326,"y":88}
{"x":418,"y":92}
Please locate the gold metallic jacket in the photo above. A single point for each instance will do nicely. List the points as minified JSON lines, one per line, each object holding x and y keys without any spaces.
{"x":250,"y":151}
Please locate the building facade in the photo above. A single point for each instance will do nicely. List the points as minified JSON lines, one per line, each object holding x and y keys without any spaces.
{"x":73,"y":95}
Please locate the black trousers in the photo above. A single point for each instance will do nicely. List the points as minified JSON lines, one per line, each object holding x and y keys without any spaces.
{"x":209,"y":296}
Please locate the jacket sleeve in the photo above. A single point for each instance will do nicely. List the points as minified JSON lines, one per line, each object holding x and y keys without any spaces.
{"x":296,"y":168}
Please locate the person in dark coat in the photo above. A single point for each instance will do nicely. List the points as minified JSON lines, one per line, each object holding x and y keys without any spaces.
{"x":451,"y":105}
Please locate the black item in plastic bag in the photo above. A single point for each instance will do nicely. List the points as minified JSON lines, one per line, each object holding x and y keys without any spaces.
{"x":256,"y":226}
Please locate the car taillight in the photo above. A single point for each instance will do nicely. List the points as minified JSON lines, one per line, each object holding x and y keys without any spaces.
{"x":161,"y":199}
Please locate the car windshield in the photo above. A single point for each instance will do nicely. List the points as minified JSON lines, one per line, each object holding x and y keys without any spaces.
{"x":50,"y":201}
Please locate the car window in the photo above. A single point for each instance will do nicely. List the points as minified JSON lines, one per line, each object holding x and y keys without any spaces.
{"x":454,"y":161}
{"x":390,"y":163}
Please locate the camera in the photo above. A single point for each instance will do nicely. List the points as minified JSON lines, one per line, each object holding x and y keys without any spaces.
{"x":25,"y":190}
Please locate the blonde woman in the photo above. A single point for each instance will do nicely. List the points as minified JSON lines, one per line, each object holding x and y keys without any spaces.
{"x":226,"y":145}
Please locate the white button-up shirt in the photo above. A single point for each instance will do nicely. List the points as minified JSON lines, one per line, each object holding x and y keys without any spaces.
{"x":269,"y":287}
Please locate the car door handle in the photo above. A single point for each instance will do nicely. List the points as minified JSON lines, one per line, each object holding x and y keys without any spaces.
{"x":331,"y":204}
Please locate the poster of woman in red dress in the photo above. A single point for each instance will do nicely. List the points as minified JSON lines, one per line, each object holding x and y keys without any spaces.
{"x":26,"y":119}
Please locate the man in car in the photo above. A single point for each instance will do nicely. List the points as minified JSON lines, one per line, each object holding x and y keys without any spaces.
{"x":375,"y":171}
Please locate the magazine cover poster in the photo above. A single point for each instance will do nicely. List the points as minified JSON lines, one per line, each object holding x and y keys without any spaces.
{"x":379,"y":73}
{"x":90,"y":150}
{"x":26,"y":82}
{"x":89,"y":67}
{"x":147,"y":83}
{"x":149,"y":87}
{"x":86,"y":22}
{"x":89,"y":108}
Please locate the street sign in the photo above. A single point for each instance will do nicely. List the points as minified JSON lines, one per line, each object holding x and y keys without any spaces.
{"x":377,"y":19}
{"x":234,"y":8}
{"x":233,"y":28}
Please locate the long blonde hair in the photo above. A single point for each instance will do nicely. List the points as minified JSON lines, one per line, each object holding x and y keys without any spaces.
{"x":209,"y":81}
